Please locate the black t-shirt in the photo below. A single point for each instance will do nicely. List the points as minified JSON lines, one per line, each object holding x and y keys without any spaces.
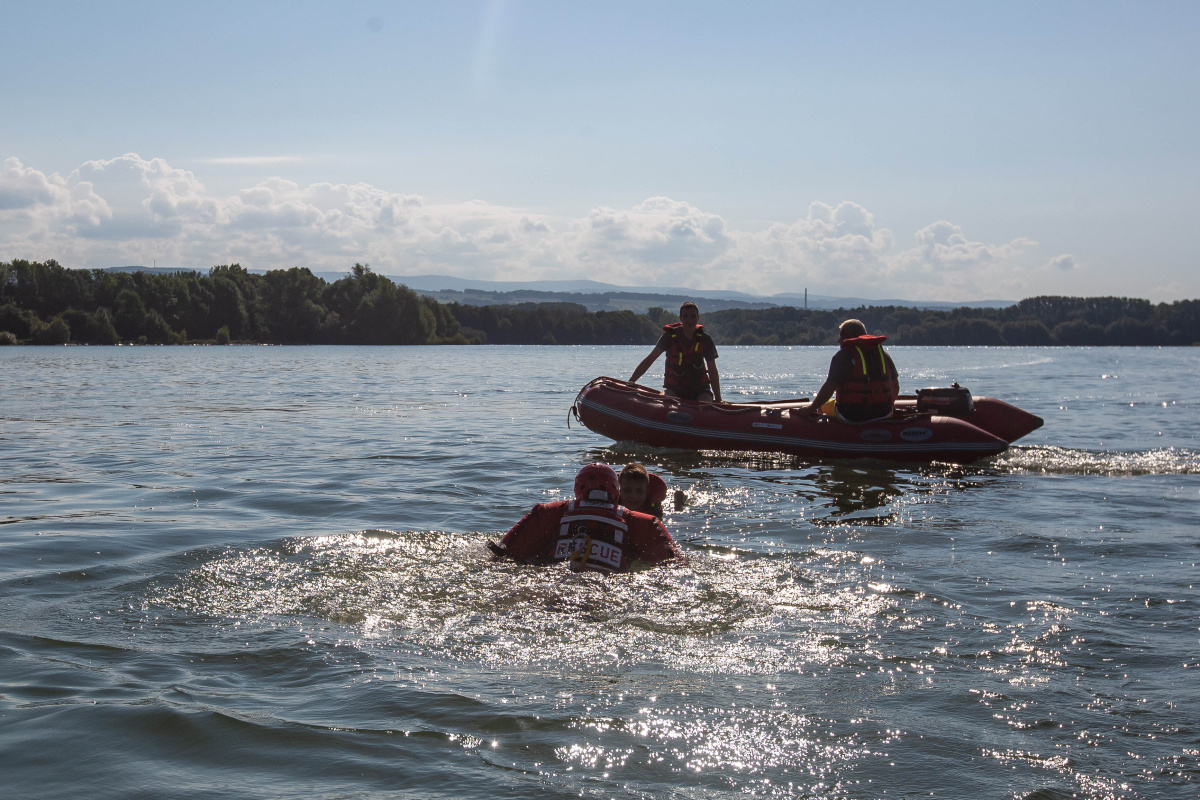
{"x":840,"y":367}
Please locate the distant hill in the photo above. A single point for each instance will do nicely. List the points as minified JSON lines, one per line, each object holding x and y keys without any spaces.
{"x":598,"y":296}
{"x":155,"y":270}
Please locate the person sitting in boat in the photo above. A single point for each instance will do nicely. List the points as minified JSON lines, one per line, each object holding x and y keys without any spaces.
{"x":861,"y":376}
{"x":591,"y":532}
{"x":642,"y":490}
{"x":691,"y":372}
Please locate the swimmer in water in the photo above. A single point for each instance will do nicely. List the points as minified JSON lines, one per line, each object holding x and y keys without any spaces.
{"x":642,"y":490}
{"x":591,"y":532}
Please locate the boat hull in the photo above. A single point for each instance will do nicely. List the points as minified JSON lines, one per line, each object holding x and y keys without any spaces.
{"x":627,"y":412}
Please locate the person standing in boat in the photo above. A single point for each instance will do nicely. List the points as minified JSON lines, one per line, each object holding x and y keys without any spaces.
{"x":592,"y":533}
{"x":691,"y":371}
{"x":861,"y":376}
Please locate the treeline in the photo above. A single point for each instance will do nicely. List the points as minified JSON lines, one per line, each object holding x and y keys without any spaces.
{"x":553,"y":323}
{"x":1095,"y":321}
{"x":45,"y":303}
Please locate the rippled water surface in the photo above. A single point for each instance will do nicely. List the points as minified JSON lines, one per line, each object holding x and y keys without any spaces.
{"x":260,"y":572}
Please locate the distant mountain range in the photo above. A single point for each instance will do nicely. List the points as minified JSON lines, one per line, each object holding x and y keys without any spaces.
{"x":597,"y":296}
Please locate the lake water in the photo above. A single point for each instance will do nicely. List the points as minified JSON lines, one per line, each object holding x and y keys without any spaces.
{"x":260,"y":572}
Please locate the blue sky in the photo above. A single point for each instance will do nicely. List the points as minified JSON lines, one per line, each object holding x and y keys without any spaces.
{"x":924,"y":150}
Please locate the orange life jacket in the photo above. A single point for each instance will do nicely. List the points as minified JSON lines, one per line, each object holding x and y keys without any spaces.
{"x":592,"y":535}
{"x":871,"y":380}
{"x":686,"y":364}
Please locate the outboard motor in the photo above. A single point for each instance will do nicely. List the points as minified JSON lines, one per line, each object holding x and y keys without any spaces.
{"x":953,"y":402}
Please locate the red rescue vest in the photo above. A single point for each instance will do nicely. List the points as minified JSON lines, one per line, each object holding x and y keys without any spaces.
{"x":870,"y":380}
{"x":592,"y":535}
{"x":686,"y":365}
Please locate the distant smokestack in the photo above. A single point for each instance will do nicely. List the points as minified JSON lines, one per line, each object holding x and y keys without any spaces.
{"x":806,"y":298}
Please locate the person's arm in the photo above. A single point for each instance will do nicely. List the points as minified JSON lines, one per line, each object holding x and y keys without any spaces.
{"x":715,"y":379}
{"x":823,"y":394}
{"x":895,"y":376}
{"x":530,"y":537}
{"x":827,"y":388}
{"x":647,"y":363}
{"x":652,"y":543}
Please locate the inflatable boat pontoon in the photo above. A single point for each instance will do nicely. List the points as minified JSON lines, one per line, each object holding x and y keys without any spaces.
{"x":935,"y":425}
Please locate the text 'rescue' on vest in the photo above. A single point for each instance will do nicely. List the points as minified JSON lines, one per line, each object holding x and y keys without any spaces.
{"x":591,"y":535}
{"x":870,"y":381}
{"x":687,"y":367}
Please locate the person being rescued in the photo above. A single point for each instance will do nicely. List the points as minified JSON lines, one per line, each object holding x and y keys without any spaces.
{"x":691,"y":371}
{"x":592,"y":533}
{"x":861,"y":376}
{"x":642,"y":490}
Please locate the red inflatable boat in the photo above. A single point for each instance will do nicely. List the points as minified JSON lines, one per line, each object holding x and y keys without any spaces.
{"x":935,"y":425}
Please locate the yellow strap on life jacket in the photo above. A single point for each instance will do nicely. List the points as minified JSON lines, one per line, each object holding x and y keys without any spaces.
{"x":675,"y":336}
{"x":862,"y":359}
{"x":579,"y":558}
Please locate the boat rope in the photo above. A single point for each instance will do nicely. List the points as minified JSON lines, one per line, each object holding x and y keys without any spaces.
{"x":573,"y":409}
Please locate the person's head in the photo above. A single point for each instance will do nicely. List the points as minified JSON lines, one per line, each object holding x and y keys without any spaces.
{"x":635,"y":486}
{"x":689,"y":315}
{"x":597,"y":482}
{"x":851,"y":329}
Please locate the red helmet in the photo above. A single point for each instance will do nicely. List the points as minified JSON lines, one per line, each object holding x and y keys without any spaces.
{"x":597,"y":482}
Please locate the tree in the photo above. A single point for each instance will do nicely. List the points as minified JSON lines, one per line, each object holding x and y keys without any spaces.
{"x":155,"y":329}
{"x":1078,"y":332}
{"x":56,"y":331}
{"x":91,"y":328}
{"x":1026,"y":332}
{"x":373,"y":310}
{"x":16,"y":320}
{"x":228,"y":309}
{"x":291,"y":305}
{"x":129,"y":314}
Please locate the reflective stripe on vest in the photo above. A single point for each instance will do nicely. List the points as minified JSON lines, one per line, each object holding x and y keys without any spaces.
{"x":685,"y":368}
{"x":865,"y":390}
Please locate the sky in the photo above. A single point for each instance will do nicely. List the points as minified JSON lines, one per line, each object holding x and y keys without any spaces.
{"x":924,"y":150}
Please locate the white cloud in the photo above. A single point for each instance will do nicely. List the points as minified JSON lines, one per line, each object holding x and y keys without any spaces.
{"x":22,"y":188}
{"x":1064,"y":262}
{"x":833,"y":247}
{"x":31,"y":200}
{"x":251,"y":160}
{"x":133,"y":210}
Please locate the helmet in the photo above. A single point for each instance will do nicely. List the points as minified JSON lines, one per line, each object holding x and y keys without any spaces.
{"x":597,"y":482}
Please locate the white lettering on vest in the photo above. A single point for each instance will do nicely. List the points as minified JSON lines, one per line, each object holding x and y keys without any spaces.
{"x":601,"y":524}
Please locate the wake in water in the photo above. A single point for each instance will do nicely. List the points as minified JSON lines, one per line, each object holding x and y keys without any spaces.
{"x":1040,"y":459}
{"x":1048,"y":460}
{"x":643,"y":672}
{"x":719,"y":611}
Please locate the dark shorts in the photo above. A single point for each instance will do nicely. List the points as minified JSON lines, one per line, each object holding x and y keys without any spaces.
{"x":698,"y":393}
